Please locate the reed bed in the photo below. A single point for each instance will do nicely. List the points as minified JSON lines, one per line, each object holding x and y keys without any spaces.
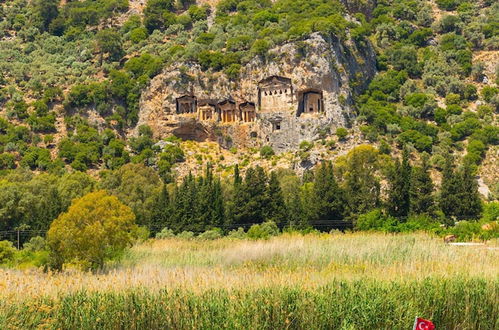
{"x":347,"y":281}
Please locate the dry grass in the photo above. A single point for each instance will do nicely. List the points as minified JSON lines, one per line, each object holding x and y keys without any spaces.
{"x":288,"y":260}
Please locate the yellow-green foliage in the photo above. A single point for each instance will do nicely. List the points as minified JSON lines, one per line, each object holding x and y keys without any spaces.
{"x":97,"y":226}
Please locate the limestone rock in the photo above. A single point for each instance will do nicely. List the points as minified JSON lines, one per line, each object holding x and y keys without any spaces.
{"x":303,"y":92}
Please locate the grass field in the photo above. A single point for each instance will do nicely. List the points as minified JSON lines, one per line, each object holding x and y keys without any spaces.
{"x":348,"y":281}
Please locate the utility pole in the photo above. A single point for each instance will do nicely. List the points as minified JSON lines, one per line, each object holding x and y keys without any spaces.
{"x":18,"y":240}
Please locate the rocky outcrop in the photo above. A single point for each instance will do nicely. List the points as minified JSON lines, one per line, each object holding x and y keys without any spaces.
{"x":328,"y":70}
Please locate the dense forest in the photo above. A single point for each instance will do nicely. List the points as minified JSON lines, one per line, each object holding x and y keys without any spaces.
{"x":431,"y":111}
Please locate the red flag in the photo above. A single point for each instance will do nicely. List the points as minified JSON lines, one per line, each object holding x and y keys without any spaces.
{"x":422,"y":324}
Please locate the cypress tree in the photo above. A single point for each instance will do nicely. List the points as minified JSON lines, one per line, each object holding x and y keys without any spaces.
{"x":361,"y":184}
{"x":276,"y":209}
{"x":470,"y":205}
{"x":237,"y":176}
{"x":218,"y":207}
{"x":250,"y":199}
{"x":421,"y":189}
{"x":204,"y":200}
{"x":399,"y":194}
{"x":161,"y":212}
{"x":328,"y":196}
{"x":449,"y":191}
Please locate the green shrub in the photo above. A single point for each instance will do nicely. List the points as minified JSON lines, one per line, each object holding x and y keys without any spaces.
{"x":35,"y":244}
{"x":448,"y":4}
{"x":490,"y":212}
{"x":267,"y":152}
{"x":467,"y":230}
{"x":186,"y":235}
{"x":138,"y":34}
{"x":375,"y":220}
{"x":165,"y":233}
{"x":263,"y":231}
{"x":489,"y":92}
{"x":238,"y":233}
{"x":341,"y":133}
{"x":419,"y":222}
{"x":306,"y":145}
{"x":7,"y":161}
{"x":7,"y":251}
{"x":210,"y":235}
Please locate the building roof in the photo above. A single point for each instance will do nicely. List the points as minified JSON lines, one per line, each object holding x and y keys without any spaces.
{"x":227,"y":101}
{"x":275,"y":80}
{"x":246,"y":103}
{"x":186,"y":96}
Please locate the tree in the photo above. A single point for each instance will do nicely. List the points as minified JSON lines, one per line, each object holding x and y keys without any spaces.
{"x":96,"y":227}
{"x":421,"y":189}
{"x":328,"y":196}
{"x":362,"y":187}
{"x":161,"y":211}
{"x":134,"y":185}
{"x":109,"y":42}
{"x":74,"y":185}
{"x":44,"y":11}
{"x":250,"y":199}
{"x":470,"y":205}
{"x":276,"y":208}
{"x":449,"y":199}
{"x":399,"y":197}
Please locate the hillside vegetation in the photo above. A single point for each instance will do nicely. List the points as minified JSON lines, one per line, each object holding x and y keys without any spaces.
{"x":72,"y":74}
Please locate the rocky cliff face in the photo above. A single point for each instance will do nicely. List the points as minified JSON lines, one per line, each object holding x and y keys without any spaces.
{"x":311,"y":95}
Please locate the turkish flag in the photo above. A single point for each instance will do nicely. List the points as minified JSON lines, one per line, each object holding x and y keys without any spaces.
{"x":422,"y":324}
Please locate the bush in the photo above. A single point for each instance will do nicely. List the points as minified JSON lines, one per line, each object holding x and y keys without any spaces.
{"x":341,"y":133}
{"x":7,"y":161}
{"x":448,"y":4}
{"x":186,"y":235}
{"x":165,"y":233}
{"x":237,"y":234}
{"x":210,"y":235}
{"x":263,"y":231}
{"x":419,"y":222}
{"x":267,"y":152}
{"x":35,"y":244}
{"x":466,"y":230}
{"x":490,"y":212}
{"x":7,"y":251}
{"x":375,"y":220}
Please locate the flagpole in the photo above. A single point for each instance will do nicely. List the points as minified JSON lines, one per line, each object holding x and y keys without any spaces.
{"x":415,"y":323}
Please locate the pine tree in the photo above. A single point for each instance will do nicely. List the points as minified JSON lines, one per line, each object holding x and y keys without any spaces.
{"x":218,"y":212}
{"x":250,"y":199}
{"x":328,"y":196}
{"x":399,"y":194}
{"x":361,"y":184}
{"x":185,"y":212}
{"x":470,"y":205}
{"x":237,"y":176}
{"x":276,"y":209}
{"x":421,"y":189}
{"x":449,"y":191}
{"x":161,"y":213}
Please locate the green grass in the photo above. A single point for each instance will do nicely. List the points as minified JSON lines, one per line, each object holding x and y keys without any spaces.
{"x":450,"y":303}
